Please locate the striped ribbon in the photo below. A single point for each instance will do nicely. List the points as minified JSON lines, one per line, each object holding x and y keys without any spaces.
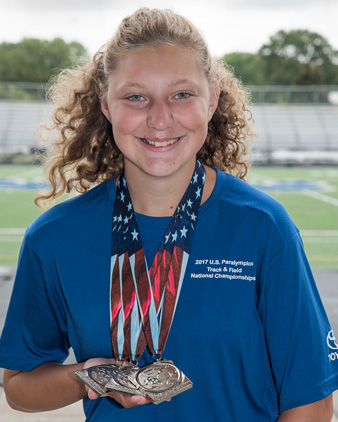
{"x":143,"y":300}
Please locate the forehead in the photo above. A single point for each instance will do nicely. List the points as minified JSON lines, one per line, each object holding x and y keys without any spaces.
{"x":159,"y":62}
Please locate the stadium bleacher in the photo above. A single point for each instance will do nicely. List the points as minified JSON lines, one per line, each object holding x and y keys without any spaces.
{"x":296,"y":127}
{"x":18,"y":125}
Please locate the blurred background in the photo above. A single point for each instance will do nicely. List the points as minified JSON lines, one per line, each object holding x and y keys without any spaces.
{"x":284,"y":52}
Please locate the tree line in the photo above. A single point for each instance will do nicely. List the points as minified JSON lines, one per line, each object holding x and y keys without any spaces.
{"x":297,"y":57}
{"x":34,"y":60}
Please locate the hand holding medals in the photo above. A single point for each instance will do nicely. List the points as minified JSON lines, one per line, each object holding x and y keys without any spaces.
{"x":157,"y":382}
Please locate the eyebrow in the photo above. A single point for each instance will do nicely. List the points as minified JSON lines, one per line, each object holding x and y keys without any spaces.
{"x":182,"y":82}
{"x":133,"y":84}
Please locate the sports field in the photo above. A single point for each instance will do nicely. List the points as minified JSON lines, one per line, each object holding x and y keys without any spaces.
{"x":310,"y":194}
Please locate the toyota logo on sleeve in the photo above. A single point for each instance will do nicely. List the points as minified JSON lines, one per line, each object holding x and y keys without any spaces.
{"x":332,"y":343}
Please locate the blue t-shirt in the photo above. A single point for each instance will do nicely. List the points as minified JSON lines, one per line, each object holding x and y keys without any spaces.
{"x":250,"y":330}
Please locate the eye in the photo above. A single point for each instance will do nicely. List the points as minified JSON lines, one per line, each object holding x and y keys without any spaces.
{"x":136,"y":97}
{"x":182,"y":95}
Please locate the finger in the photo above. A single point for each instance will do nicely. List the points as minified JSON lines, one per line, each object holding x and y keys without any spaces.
{"x":138,"y":400}
{"x":92,"y":395}
{"x":98,"y":361}
{"x":128,"y":401}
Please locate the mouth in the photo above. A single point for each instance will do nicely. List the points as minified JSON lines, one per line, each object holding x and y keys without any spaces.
{"x":160,"y":143}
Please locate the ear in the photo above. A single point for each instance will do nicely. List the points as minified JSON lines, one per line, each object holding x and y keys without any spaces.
{"x":213,"y":100}
{"x":104,"y":104}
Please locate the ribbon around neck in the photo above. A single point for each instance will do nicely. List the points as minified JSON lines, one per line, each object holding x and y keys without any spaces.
{"x":143,"y":300}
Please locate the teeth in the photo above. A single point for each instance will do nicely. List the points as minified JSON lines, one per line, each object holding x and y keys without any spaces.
{"x":160,"y":144}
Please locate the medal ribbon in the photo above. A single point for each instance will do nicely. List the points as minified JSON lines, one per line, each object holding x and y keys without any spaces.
{"x":143,"y":300}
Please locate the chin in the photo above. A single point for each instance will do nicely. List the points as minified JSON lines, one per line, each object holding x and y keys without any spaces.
{"x":174,"y":169}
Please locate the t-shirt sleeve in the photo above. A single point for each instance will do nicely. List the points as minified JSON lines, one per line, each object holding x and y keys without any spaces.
{"x":35,"y":329}
{"x":300,"y":342}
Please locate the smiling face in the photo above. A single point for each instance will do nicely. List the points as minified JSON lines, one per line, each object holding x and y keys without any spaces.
{"x":159,"y":103}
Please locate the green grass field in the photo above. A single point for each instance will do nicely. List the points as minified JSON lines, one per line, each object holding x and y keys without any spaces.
{"x":310,"y":194}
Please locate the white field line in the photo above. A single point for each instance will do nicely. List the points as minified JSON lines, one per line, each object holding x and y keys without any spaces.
{"x":24,"y":174}
{"x":320,"y":236}
{"x":319,"y":233}
{"x":321,"y":240}
{"x":312,"y":194}
{"x":12,"y":231}
{"x":256,"y":178}
{"x":11,"y":235}
{"x":320,"y":197}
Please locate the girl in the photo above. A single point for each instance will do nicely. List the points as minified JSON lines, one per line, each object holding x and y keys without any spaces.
{"x":168,"y":253}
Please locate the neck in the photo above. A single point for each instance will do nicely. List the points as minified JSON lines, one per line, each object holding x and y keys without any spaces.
{"x":160,"y":196}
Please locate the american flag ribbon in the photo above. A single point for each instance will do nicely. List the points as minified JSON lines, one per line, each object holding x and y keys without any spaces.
{"x":143,"y":300}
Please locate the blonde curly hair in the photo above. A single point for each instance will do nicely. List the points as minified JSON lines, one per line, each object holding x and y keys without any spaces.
{"x":84,"y":152}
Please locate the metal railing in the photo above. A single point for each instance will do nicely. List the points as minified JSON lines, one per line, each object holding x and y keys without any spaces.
{"x":291,"y":94}
{"x":261,"y":94}
{"x":23,"y":91}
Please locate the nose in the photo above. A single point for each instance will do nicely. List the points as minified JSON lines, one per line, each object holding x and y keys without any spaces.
{"x":160,"y":116}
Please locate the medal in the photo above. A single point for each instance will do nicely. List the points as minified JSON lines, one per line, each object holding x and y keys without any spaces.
{"x":143,"y":300}
{"x":158,"y":381}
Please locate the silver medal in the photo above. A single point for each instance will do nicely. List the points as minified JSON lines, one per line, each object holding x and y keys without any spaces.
{"x":97,"y":377}
{"x":124,"y":381}
{"x":162,"y":380}
{"x":158,"y":381}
